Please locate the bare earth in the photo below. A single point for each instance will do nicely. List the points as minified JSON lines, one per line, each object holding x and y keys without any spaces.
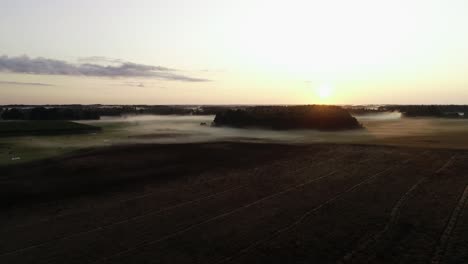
{"x":237,"y":203}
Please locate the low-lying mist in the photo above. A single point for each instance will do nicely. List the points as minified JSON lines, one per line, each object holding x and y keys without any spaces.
{"x":377,"y":128}
{"x":380,"y":129}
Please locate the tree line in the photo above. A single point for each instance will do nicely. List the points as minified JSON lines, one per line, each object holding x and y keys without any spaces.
{"x":43,"y":113}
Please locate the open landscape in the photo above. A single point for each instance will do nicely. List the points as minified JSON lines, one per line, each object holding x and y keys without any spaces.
{"x":228,"y":202}
{"x":388,"y":128}
{"x":247,"y":131}
{"x":165,"y":189}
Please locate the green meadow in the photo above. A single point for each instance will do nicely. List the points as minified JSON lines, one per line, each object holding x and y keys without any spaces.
{"x":22,"y":141}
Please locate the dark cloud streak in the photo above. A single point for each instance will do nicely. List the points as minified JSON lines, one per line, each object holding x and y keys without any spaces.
{"x":25,"y":83}
{"x":99,"y":59}
{"x":134,"y":84}
{"x":24,"y":64}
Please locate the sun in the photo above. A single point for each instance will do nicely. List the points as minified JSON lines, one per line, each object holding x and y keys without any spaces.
{"x":324,"y":91}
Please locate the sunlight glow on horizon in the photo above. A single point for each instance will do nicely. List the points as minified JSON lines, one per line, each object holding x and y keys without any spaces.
{"x":324,"y":91}
{"x":252,"y":51}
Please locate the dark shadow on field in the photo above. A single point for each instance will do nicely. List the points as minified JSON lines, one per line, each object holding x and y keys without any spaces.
{"x":113,"y":168}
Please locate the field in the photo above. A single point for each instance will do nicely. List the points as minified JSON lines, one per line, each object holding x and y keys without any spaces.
{"x":19,"y":128}
{"x":380,"y":129}
{"x":23,"y":141}
{"x":226,"y":202}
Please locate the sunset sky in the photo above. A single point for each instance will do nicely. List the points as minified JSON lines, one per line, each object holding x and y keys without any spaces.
{"x":234,"y":52}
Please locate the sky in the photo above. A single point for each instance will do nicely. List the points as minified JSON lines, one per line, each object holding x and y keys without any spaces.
{"x":234,"y":52}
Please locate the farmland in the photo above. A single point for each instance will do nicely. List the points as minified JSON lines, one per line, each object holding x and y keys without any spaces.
{"x":228,"y":202}
{"x":379,"y":129}
{"x":28,"y":128}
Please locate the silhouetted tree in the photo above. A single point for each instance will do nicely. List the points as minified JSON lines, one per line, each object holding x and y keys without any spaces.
{"x":12,"y":114}
{"x":289,"y":117}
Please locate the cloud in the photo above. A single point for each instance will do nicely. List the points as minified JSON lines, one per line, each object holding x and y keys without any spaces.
{"x":135,"y":84}
{"x":26,"y":83}
{"x":99,"y":59}
{"x":118,"y":68}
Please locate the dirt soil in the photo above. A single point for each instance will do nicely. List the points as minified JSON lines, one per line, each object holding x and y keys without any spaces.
{"x":237,"y":203}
